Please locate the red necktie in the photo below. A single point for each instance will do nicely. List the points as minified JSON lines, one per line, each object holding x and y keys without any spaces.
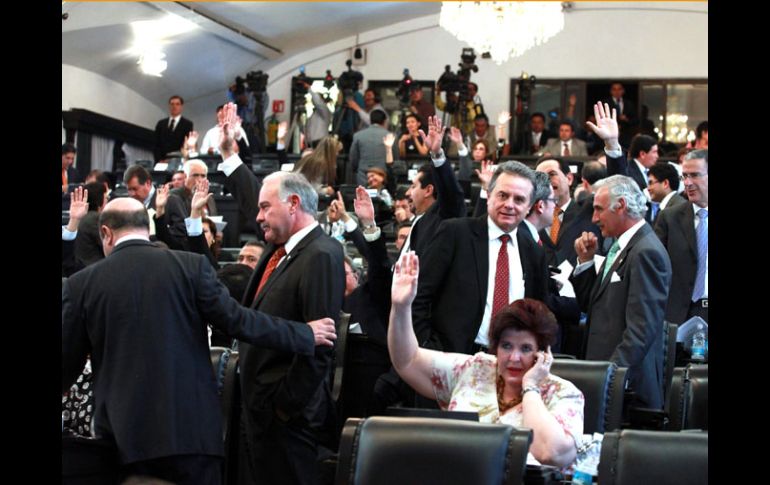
{"x":271,"y":265}
{"x":566,"y":149}
{"x":500,"y":298}
{"x":540,"y":242}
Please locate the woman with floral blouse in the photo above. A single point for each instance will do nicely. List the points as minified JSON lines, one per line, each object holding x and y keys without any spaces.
{"x":511,"y":386}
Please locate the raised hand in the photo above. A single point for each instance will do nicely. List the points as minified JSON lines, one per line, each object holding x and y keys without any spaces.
{"x":191,"y":141}
{"x":606,"y":126}
{"x":486,"y":173}
{"x":540,"y":370}
{"x":363,"y":206}
{"x":456,"y":136}
{"x":200,"y":198}
{"x":435,"y":134}
{"x":405,"y":278}
{"x":388,"y":140}
{"x":503,"y":118}
{"x":336,"y":209}
{"x":161,"y":197}
{"x":324,"y":332}
{"x":78,"y":203}
{"x":227,"y":129}
{"x":283,"y":128}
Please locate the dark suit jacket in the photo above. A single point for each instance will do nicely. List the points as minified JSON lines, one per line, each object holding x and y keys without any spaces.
{"x":369,"y":304}
{"x":452,"y":291}
{"x":629,"y":109}
{"x":524,"y":144}
{"x":141,"y":314}
{"x":625,"y":318}
{"x":88,"y":244}
{"x":450,"y":203}
{"x":309,"y":284}
{"x":178,"y":208}
{"x":245,"y":187}
{"x":676,"y":229}
{"x":622,"y":166}
{"x":170,"y":141}
{"x":576,"y":220}
{"x":674,"y":201}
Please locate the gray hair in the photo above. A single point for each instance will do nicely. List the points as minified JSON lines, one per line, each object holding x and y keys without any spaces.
{"x":294,"y":183}
{"x":514,"y":168}
{"x":622,"y":187}
{"x":702,"y":154}
{"x":188,"y":166}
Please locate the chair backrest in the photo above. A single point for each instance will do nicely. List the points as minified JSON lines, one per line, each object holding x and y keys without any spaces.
{"x":386,"y":450}
{"x":675,"y":399}
{"x":594,"y":379}
{"x":669,"y":355}
{"x":697,"y":402}
{"x":635,"y":457}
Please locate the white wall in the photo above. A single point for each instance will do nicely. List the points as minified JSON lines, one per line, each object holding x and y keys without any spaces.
{"x":87,"y":90}
{"x":594,"y":44}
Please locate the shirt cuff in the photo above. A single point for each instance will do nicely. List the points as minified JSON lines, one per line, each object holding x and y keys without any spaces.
{"x":373,"y":236}
{"x":194,"y":226}
{"x":228,"y":166}
{"x":280,"y":145}
{"x":582,"y":267}
{"x":439,"y":159}
{"x":67,"y":235}
{"x":483,"y":194}
{"x":350,"y":225}
{"x":463,"y":152}
{"x":615,"y":152}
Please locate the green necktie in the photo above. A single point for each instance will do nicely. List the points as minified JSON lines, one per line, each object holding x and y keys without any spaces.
{"x":610,"y":258}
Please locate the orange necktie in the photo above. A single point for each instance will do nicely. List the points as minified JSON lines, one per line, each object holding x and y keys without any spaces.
{"x":556,"y":225}
{"x":271,"y":265}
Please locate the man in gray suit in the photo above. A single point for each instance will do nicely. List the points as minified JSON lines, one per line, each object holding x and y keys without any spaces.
{"x":626,"y":299}
{"x":566,"y":145}
{"x":680,"y":231}
{"x":368,"y":148}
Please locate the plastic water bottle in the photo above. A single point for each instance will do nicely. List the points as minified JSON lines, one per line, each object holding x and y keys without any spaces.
{"x":581,"y":477}
{"x":698,"y":349}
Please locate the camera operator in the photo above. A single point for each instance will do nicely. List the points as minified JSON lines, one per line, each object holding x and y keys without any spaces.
{"x":419,"y":106}
{"x":317,"y":125}
{"x":346,"y":120}
{"x":372,"y":101}
{"x":473,"y":106}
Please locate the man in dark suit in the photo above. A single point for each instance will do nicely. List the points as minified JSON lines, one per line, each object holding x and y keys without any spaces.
{"x":626,"y":109}
{"x":141,"y":314}
{"x":470,"y":260}
{"x":179,"y":201}
{"x":533,"y":140}
{"x":69,"y":175}
{"x":663,"y":185}
{"x":626,"y":300}
{"x":679,"y":229}
{"x":139,"y":184}
{"x":643,"y":153}
{"x":170,"y":132}
{"x":570,"y":218}
{"x":435,"y":195}
{"x":288,"y":409}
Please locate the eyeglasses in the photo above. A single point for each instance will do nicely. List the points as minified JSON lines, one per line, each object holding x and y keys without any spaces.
{"x":555,"y":201}
{"x":694,"y":175}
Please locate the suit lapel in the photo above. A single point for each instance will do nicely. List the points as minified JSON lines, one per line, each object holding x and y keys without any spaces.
{"x":287,"y":261}
{"x":619,"y":261}
{"x":687,"y":223}
{"x":480,"y":244}
{"x":526,"y":247}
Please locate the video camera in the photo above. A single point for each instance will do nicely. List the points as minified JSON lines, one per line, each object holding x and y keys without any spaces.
{"x":451,"y":82}
{"x":299,"y":83}
{"x":256,"y":82}
{"x":403,"y":89}
{"x":349,"y":80}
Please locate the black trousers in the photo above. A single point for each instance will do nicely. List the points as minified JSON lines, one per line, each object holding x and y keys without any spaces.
{"x":283,"y":454}
{"x":179,"y":469}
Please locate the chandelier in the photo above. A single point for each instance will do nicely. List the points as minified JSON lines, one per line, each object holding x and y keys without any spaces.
{"x":504,"y":29}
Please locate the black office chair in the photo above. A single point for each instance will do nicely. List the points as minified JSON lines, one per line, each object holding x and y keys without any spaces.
{"x":669,"y":355}
{"x":385,"y":450}
{"x":88,"y":461}
{"x":636,"y":457}
{"x":225,"y":365}
{"x":675,"y":399}
{"x":697,"y":402}
{"x":602,"y":384}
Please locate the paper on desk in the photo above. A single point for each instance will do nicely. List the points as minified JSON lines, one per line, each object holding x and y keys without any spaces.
{"x":563,"y":278}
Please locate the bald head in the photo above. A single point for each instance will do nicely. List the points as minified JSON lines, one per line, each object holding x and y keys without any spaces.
{"x":121,"y":217}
